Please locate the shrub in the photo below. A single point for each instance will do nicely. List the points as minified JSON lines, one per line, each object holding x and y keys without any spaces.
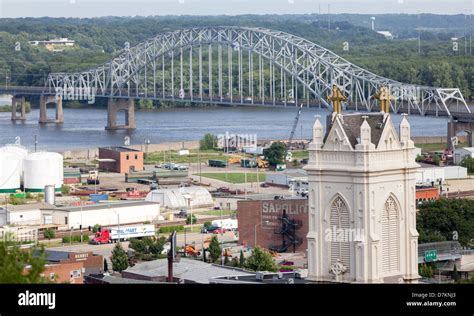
{"x":169,"y":229}
{"x":191,"y":219}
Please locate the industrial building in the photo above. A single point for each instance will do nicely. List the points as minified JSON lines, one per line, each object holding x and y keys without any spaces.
{"x":23,"y":215}
{"x":429,"y":173}
{"x":261,"y":222}
{"x":185,"y":271}
{"x":285,"y":178}
{"x":41,"y":169}
{"x":460,"y":153}
{"x":104,"y":214}
{"x":189,"y":197}
{"x":120,"y":159}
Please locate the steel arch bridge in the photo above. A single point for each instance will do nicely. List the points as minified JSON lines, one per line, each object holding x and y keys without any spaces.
{"x":240,"y":65}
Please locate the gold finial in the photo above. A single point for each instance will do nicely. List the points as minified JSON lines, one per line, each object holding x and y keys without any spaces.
{"x":384,"y":97}
{"x":336,"y":98}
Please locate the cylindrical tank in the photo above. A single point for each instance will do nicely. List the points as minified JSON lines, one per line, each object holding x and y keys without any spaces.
{"x":19,"y":151}
{"x":49,"y":194}
{"x":9,"y":172}
{"x":42,"y":169}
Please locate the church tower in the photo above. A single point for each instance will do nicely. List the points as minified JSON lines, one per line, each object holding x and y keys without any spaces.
{"x":362,"y":215}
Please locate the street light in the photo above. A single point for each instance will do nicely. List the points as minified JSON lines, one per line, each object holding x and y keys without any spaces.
{"x":255,"y":232}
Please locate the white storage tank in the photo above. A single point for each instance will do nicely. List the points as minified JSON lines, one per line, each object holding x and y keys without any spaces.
{"x":42,"y":169}
{"x":19,"y":151}
{"x":9,"y":172}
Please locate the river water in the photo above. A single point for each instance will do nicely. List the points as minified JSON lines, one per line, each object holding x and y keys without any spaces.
{"x":84,"y":128}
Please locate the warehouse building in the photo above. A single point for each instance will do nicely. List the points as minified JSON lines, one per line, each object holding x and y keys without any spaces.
{"x":120,"y":159}
{"x":104,"y":214}
{"x":23,"y":215}
{"x":185,"y":271}
{"x":460,"y":153}
{"x":287,"y":177}
{"x":184,"y":197}
{"x":429,"y":173}
{"x":260,"y":220}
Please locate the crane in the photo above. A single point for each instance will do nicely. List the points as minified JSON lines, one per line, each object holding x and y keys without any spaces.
{"x":295,"y":124}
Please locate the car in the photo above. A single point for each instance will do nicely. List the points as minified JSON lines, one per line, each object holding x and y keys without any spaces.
{"x":219,"y":231}
{"x":208,"y":229}
{"x":264,"y":185}
{"x":182,"y":213}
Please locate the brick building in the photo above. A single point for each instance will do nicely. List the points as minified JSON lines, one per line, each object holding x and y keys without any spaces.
{"x":260,"y":221}
{"x":120,"y":159}
{"x":427,"y":194}
{"x":71,"y":267}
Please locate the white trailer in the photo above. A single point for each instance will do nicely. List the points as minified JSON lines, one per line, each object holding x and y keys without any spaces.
{"x":135,"y":231}
{"x":229,"y":224}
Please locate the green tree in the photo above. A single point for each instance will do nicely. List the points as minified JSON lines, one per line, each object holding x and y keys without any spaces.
{"x":138,"y":245}
{"x":468,"y":162}
{"x":275,"y":154}
{"x":260,"y":260}
{"x":215,"y":250}
{"x":119,"y":258}
{"x":208,"y":142}
{"x":157,"y":247}
{"x":436,"y":160}
{"x":49,"y":233}
{"x":241,"y":259}
{"x":455,"y":274}
{"x":207,"y":224}
{"x":65,"y":189}
{"x":96,"y":228}
{"x":446,"y":219}
{"x":13,"y":261}
{"x":191,"y":219}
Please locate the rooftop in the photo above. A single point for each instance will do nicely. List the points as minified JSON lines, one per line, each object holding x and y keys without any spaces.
{"x":186,"y":269}
{"x":28,"y":207}
{"x":120,"y":149}
{"x":100,"y":206}
{"x":353,"y":122}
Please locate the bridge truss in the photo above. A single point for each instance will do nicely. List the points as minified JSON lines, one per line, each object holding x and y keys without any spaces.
{"x":239,"y":65}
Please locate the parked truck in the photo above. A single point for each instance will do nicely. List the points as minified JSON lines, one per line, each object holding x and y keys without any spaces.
{"x":93,"y":177}
{"x":217,"y":163}
{"x":113,"y":234}
{"x":227,"y":224}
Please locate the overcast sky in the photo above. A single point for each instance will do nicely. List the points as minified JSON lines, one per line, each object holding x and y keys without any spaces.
{"x":94,"y":8}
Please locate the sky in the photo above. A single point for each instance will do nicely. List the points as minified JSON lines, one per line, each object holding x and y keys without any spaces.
{"x":95,"y":8}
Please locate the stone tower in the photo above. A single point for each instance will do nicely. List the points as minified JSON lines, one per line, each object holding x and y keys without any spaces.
{"x":362,"y":215}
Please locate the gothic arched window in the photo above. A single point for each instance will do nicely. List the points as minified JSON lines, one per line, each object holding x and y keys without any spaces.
{"x":390,"y":237}
{"x":340,"y":228}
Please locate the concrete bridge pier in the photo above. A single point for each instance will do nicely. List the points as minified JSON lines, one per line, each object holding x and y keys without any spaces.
{"x":116,"y":105}
{"x":454,"y":127}
{"x":44,"y":101}
{"x":21,"y":102}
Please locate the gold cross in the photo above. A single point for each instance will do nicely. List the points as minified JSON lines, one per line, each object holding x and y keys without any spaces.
{"x":336,"y":98}
{"x":384,"y":97}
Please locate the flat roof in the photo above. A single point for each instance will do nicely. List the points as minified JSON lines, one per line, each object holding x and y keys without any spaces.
{"x":186,"y":269}
{"x":27,"y":207}
{"x":100,"y":206}
{"x":120,"y":149}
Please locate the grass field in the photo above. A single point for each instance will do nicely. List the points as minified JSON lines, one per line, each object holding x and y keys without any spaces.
{"x":436,"y":146}
{"x":193,"y":157}
{"x":218,"y":212}
{"x":235,"y":177}
{"x":300,"y":154}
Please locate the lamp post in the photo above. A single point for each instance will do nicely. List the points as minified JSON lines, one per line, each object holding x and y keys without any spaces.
{"x":255,"y":232}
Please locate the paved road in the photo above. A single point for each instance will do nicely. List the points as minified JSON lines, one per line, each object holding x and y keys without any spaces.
{"x":105,"y":250}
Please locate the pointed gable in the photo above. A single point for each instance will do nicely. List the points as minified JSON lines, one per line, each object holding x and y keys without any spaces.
{"x":389,"y":138}
{"x":336,"y":138}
